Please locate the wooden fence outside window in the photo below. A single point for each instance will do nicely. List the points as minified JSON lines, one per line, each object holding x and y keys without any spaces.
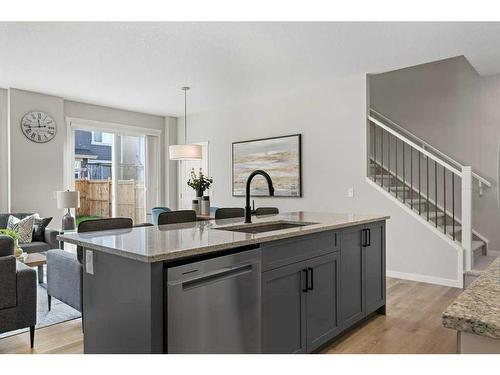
{"x":96,"y":198}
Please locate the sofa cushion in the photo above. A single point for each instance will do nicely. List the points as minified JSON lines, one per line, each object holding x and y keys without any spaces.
{"x":23,"y":227}
{"x":4,"y":218}
{"x":39,"y":226}
{"x":34,"y":247}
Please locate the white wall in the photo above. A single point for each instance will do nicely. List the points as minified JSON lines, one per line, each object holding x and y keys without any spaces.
{"x":450,"y":106}
{"x":36,"y":168}
{"x":4,"y":154}
{"x":331,"y":119}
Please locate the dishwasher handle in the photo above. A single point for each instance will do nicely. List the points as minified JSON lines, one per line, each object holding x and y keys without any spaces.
{"x":215,"y":276}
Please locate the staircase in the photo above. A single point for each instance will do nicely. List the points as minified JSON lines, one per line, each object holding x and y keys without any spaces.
{"x":432,"y":185}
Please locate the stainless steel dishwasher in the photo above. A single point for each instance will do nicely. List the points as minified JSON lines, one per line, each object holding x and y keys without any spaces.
{"x":213,"y":306}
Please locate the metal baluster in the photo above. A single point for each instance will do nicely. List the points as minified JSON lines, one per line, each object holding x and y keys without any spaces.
{"x":419,"y":187}
{"x":453,"y":201}
{"x":375,"y":153}
{"x":444,"y":197}
{"x":436,"y":192}
{"x":404,"y":174}
{"x":427,"y":188}
{"x":397,"y":179}
{"x":389,"y":160}
{"x":382,"y":155}
{"x":411,"y":176}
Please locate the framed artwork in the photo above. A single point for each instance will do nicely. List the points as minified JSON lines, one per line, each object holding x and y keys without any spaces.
{"x":280,"y":157}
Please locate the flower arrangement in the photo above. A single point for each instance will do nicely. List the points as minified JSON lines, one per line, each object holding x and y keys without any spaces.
{"x":12,"y":234}
{"x":9,"y":232}
{"x":199,"y":182}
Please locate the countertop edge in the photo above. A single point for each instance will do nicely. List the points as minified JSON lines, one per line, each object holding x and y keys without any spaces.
{"x":182,"y":254}
{"x":466,"y":319}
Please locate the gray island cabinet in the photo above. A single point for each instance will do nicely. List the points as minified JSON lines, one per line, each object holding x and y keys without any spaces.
{"x":208,"y":287}
{"x":339,"y":281}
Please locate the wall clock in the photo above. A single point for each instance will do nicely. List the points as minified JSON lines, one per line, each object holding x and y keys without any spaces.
{"x":38,"y":126}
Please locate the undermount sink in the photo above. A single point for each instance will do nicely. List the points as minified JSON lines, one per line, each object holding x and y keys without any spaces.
{"x":264,"y":227}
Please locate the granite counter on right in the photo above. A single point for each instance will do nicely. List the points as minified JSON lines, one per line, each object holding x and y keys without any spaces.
{"x":475,"y":314}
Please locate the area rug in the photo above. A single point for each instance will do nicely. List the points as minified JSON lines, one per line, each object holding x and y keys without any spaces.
{"x":59,"y":313}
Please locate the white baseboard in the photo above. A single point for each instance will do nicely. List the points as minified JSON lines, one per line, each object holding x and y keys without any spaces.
{"x":424,"y":279}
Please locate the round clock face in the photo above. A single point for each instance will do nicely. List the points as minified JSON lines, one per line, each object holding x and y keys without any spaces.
{"x":38,"y":126}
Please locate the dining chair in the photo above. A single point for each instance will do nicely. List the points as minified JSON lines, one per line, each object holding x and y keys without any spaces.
{"x":176,"y":217}
{"x":229,"y":212}
{"x":267,"y":211}
{"x":156,"y":211}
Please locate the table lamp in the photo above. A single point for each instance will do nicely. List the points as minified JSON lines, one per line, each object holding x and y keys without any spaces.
{"x":68,"y":199}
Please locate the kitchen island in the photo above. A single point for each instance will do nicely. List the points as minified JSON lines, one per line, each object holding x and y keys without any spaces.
{"x":286,"y":283}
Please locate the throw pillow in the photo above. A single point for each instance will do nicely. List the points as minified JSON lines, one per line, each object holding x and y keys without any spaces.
{"x":23,"y":227}
{"x":39,"y":225}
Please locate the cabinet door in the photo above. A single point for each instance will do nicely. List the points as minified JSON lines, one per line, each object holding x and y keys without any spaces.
{"x":322,"y":300}
{"x":351,"y":276}
{"x":375,"y":267}
{"x":283,"y":310}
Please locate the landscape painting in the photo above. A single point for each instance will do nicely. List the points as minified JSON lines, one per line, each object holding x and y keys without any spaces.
{"x":279,"y":157}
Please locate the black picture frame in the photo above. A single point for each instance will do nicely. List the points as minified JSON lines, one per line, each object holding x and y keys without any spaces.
{"x":299,"y":136}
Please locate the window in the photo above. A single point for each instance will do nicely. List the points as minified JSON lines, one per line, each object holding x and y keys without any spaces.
{"x":99,"y":138}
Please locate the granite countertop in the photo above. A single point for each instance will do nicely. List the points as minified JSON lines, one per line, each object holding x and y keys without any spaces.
{"x":175,"y":241}
{"x":477,"y":309}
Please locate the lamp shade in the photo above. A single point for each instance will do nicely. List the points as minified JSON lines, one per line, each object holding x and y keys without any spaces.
{"x":68,"y":199}
{"x":185,"y":152}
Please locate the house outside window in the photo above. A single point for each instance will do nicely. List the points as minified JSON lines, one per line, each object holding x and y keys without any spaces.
{"x":99,"y":138}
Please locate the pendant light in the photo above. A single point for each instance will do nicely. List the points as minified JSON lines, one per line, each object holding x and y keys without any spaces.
{"x":185,"y":151}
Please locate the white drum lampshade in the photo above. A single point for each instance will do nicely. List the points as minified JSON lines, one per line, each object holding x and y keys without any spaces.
{"x":68,"y":199}
{"x":185,"y":152}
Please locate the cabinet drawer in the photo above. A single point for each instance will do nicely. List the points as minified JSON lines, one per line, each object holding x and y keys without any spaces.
{"x":280,"y":253}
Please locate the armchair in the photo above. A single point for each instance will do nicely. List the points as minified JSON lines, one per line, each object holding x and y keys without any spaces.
{"x":65,"y":270}
{"x":17,"y":291}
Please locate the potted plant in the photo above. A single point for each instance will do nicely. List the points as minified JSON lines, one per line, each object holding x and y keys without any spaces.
{"x":12,"y":234}
{"x":199,"y":182}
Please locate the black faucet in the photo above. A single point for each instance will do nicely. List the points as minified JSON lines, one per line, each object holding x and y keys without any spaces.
{"x":248,"y":209}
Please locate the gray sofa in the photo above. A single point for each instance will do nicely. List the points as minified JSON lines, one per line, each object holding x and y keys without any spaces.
{"x":18,"y":287}
{"x":50,"y":236}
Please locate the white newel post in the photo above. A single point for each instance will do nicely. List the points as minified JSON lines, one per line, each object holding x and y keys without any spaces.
{"x":467,"y":216}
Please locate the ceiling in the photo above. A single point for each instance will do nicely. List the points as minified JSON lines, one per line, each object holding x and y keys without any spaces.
{"x":142,"y":66}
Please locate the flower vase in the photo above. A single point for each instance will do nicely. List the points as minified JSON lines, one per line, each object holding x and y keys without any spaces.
{"x":17,"y":250}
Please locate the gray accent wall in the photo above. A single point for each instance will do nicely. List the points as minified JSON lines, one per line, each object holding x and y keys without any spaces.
{"x":447,"y":104}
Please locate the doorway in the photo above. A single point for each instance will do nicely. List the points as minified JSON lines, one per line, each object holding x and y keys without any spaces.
{"x":112,"y":168}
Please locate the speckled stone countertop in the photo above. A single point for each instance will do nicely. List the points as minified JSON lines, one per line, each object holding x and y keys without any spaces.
{"x":174,"y":241}
{"x":477,"y":309}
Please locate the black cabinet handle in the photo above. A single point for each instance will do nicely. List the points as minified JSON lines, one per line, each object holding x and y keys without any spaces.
{"x":305,"y":289}
{"x":311,"y":279}
{"x":369,"y":237}
{"x":363,"y":238}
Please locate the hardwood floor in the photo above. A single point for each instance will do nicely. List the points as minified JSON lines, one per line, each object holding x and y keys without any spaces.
{"x":412,"y":325}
